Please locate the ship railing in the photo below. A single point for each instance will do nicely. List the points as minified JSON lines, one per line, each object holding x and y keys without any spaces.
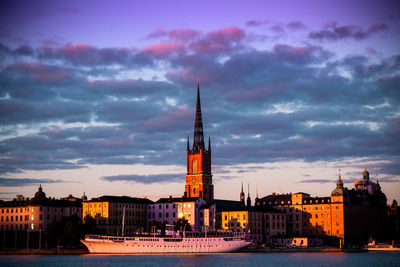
{"x":111,"y":238}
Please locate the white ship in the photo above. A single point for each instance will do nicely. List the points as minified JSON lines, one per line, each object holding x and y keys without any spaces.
{"x":169,"y":244}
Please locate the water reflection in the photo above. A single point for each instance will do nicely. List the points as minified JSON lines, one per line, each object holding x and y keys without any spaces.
{"x":229,"y":259}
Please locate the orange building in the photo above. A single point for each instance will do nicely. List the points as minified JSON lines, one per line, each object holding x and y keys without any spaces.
{"x":198,"y":174}
{"x":351,"y":215}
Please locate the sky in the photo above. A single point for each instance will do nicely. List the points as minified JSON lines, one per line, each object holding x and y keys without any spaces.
{"x":99,"y":96}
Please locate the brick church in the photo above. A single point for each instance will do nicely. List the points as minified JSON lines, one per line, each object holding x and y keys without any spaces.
{"x":198,"y":174}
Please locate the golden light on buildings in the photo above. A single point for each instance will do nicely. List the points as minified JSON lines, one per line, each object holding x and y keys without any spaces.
{"x":180,"y":215}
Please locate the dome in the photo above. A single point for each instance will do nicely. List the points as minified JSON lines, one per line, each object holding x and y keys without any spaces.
{"x":39,"y":198}
{"x":339,"y":190}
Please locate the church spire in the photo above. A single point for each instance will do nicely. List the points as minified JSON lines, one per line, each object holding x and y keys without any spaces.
{"x":339,"y":183}
{"x":248,"y":195}
{"x":198,"y":142}
{"x":242,"y":195}
{"x":187,"y":146}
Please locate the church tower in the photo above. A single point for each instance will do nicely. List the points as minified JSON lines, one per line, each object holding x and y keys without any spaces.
{"x":198,"y":175}
{"x":242,"y":196}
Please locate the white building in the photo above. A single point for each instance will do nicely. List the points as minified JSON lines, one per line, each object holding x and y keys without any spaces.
{"x":195,"y":210}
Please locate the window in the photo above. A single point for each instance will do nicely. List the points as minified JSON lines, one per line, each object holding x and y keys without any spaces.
{"x":32,"y":226}
{"x":32,"y":217}
{"x":167,"y":215}
{"x":194,"y":166}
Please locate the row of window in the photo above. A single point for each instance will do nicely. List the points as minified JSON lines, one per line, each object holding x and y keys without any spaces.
{"x":121,"y":206}
{"x":173,"y":206}
{"x":16,"y":210}
{"x":20,"y":227}
{"x":152,"y":215}
{"x":24,"y":218}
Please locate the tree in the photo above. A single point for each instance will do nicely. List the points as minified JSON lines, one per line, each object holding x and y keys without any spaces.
{"x":159,"y":226}
{"x":182,"y":224}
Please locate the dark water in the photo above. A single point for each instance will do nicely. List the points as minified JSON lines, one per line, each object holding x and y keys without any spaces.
{"x":233,"y":260}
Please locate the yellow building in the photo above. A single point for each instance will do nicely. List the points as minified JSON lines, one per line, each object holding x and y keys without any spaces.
{"x":108,"y":213}
{"x":260,"y":222}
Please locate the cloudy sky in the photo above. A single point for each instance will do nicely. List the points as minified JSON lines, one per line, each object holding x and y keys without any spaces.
{"x":99,"y":96}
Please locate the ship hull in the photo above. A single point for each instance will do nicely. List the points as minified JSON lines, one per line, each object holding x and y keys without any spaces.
{"x":160,"y":246}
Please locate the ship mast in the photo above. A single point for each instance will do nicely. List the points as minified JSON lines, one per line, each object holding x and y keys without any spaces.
{"x":123,"y":220}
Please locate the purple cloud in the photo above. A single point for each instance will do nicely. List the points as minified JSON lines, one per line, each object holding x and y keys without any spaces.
{"x":84,"y":54}
{"x":296,"y":25}
{"x":13,"y":182}
{"x":39,"y":71}
{"x":146,"y":179}
{"x":162,"y":50}
{"x":256,"y":23}
{"x":333,"y":33}
{"x":219,"y":40}
{"x":176,"y":35}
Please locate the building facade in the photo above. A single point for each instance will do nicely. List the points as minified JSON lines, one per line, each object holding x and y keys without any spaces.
{"x":199,"y":214}
{"x":108,"y":211}
{"x":261,"y":223}
{"x":350,"y":215}
{"x":198,"y":173}
{"x":36,"y":214}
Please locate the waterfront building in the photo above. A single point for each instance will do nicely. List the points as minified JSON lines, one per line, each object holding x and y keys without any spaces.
{"x":303,"y":242}
{"x":37,"y":213}
{"x":350,"y":215}
{"x":108,"y":212}
{"x":261,"y":223}
{"x":196,"y":210}
{"x":198,"y":173}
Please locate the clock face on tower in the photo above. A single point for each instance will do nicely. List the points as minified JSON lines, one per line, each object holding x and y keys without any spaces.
{"x":194,"y":179}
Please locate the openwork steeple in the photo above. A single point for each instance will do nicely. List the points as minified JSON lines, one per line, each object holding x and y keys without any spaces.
{"x":198,"y":141}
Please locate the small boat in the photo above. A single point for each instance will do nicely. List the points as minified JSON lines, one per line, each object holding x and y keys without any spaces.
{"x":374,"y":246}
